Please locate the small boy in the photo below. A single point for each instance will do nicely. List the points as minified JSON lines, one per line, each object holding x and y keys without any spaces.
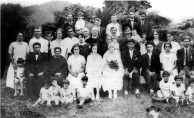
{"x":178,"y":89}
{"x":44,"y":95}
{"x":55,"y":90}
{"x":65,"y":93}
{"x":84,"y":93}
{"x":190,"y":91}
{"x":165,"y":87}
{"x":19,"y":77}
{"x":153,"y":112}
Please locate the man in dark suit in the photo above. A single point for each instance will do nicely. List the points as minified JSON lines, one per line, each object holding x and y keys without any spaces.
{"x":36,"y":63}
{"x":131,"y":59}
{"x":151,"y":67}
{"x":123,"y":41}
{"x":133,"y":23}
{"x":101,"y":30}
{"x":185,"y":56}
{"x":68,"y":23}
{"x":145,"y":26}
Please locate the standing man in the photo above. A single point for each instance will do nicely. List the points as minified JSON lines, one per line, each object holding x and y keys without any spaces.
{"x":133,"y":23}
{"x":151,"y":67}
{"x":49,"y":38}
{"x":131,"y":59}
{"x":69,"y":42}
{"x":114,"y":24}
{"x":36,"y":64}
{"x":185,"y":55}
{"x":68,"y":23}
{"x":145,"y":26}
{"x":101,"y":30}
{"x":37,"y":38}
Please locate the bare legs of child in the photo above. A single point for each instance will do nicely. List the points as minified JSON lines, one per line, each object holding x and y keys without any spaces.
{"x":82,"y":100}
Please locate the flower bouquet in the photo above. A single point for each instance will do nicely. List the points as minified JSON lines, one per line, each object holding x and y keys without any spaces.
{"x":113,"y":64}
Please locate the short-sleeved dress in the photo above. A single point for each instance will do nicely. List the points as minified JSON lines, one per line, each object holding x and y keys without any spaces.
{"x":76,"y":63}
{"x":94,"y":68}
{"x":18,"y":50}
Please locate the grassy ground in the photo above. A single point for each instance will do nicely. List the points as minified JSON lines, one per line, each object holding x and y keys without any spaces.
{"x":119,"y":108}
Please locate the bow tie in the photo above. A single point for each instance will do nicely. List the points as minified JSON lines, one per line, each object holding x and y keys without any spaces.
{"x":132,"y":19}
{"x":37,"y":53}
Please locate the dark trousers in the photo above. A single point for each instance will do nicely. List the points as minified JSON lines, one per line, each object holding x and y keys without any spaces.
{"x":151,"y":81}
{"x":128,"y":82}
{"x":34,"y":85}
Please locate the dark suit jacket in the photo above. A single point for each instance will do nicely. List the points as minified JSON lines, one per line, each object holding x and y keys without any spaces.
{"x":102,"y":34}
{"x":65,"y":25}
{"x":146,"y":28}
{"x":136,"y":25}
{"x":181,"y":58}
{"x":155,"y":63}
{"x":57,"y":65}
{"x":36,"y":66}
{"x":129,"y":63}
{"x":123,"y":45}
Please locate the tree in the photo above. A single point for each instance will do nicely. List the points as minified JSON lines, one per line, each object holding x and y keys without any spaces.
{"x":13,"y":21}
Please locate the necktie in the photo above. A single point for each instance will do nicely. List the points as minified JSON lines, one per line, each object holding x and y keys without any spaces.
{"x":150,"y":59}
{"x":187,"y":56}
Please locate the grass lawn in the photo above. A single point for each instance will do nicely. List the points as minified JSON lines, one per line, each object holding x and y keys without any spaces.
{"x":106,"y":108}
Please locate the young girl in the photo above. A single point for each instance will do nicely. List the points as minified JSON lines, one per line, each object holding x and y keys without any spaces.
{"x":165,"y":87}
{"x":55,"y":91}
{"x":19,"y":77}
{"x":84,"y":93}
{"x":44,"y":95}
{"x":178,"y":89}
{"x":94,"y":70}
{"x":65,"y":93}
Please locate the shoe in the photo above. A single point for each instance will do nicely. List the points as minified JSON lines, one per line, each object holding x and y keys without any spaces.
{"x":151,"y":91}
{"x":79,"y":106}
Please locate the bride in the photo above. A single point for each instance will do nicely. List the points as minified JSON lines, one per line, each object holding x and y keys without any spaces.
{"x":112,"y":71}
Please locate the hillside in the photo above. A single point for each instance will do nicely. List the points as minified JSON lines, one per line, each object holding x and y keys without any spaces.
{"x":44,"y":13}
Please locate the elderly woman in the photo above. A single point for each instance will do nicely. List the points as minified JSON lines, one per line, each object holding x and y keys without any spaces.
{"x":17,"y":49}
{"x":76,"y":66}
{"x":112,"y":71}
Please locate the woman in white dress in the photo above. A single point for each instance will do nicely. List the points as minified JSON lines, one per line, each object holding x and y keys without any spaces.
{"x":168,"y":60}
{"x":17,"y":49}
{"x":112,"y":71}
{"x":94,"y":67}
{"x":76,"y":66}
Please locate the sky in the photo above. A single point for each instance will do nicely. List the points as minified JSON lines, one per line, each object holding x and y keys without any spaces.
{"x":176,"y":10}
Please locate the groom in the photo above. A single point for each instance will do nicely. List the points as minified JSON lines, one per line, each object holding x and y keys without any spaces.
{"x":131,"y":59}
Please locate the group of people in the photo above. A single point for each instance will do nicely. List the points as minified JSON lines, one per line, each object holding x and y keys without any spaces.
{"x":117,"y":58}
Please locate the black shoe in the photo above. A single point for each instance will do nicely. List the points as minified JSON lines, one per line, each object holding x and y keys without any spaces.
{"x":79,"y":106}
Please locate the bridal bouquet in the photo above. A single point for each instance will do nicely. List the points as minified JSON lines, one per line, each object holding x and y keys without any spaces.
{"x":113,"y":64}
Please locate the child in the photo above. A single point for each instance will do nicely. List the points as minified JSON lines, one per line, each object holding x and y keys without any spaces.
{"x":165,"y":87}
{"x":65,"y":93}
{"x":178,"y":89}
{"x":19,"y":77}
{"x":84,"y":93}
{"x":190,"y":91}
{"x":55,"y":90}
{"x":153,"y":112}
{"x":44,"y":95}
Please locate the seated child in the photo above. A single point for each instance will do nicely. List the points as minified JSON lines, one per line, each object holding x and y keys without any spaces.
{"x":44,"y":95}
{"x":19,"y":77}
{"x":65,"y":93}
{"x":55,"y":90}
{"x":153,"y":112}
{"x":84,"y":93}
{"x":165,"y":87}
{"x":178,"y":89}
{"x":190,"y":91}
